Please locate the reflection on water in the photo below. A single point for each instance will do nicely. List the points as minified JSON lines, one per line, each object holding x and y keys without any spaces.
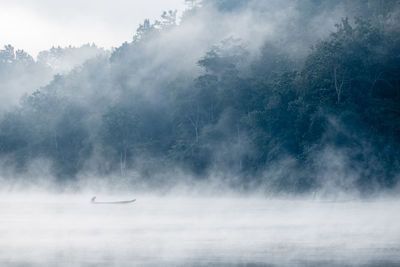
{"x":157,"y":231}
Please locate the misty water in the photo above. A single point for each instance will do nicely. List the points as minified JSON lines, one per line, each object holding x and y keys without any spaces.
{"x":67,"y":230}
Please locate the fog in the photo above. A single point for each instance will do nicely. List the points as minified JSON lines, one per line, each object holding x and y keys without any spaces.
{"x":177,"y":230}
{"x":38,"y":25}
{"x":250,"y":133}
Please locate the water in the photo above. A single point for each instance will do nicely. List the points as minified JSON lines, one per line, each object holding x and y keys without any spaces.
{"x":66,"y":230}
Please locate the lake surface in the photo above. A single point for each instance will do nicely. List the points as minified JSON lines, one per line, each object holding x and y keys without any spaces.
{"x":67,"y":230}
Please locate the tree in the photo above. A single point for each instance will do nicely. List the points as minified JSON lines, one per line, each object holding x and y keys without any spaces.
{"x":120,"y":132}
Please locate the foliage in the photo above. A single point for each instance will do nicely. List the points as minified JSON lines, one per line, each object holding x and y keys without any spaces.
{"x":242,"y":114}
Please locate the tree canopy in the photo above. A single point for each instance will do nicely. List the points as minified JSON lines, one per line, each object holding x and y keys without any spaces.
{"x":241,"y":113}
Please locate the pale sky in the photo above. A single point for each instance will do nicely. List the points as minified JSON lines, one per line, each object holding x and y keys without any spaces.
{"x":36,"y":25}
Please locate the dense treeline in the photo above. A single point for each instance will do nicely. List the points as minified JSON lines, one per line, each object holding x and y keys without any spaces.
{"x":20,"y":73}
{"x":268,"y":117}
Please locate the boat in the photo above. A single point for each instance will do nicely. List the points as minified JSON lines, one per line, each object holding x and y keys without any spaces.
{"x":93,"y":201}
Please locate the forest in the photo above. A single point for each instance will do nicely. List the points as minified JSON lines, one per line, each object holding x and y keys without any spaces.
{"x":287,"y":96}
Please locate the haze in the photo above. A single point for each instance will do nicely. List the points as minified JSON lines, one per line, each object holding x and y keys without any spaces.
{"x":250,"y":132}
{"x":39,"y":25}
{"x":66,"y":230}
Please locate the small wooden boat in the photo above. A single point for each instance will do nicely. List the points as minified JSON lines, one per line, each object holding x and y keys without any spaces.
{"x":93,"y":201}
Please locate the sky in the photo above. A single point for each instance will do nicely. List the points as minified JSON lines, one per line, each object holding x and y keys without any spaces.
{"x":36,"y":25}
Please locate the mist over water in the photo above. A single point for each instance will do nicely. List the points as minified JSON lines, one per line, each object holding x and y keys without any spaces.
{"x":67,"y":230}
{"x":250,"y":133}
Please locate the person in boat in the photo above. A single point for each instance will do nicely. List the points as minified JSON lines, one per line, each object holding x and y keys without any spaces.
{"x":93,"y":200}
